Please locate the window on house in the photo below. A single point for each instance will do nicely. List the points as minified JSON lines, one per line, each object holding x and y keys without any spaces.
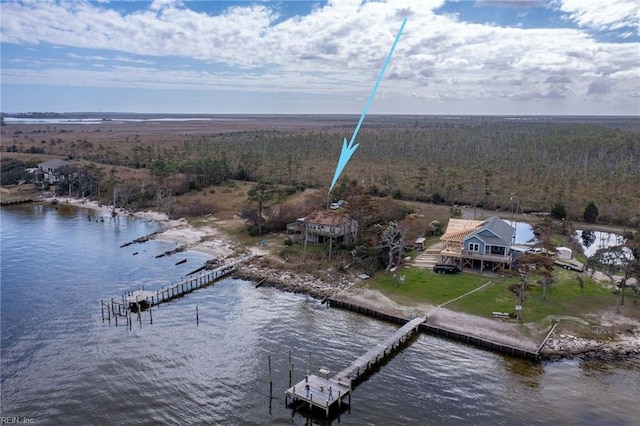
{"x":474,"y":247}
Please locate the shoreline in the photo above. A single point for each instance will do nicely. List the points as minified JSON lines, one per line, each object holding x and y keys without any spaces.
{"x":209,"y":240}
{"x":525,"y":336}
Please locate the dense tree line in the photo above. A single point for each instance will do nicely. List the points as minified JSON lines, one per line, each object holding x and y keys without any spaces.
{"x":481,"y":161}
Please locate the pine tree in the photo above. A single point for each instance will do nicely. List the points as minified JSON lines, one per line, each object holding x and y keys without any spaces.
{"x":591,"y":212}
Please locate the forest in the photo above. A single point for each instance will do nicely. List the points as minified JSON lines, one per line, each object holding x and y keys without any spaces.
{"x":528,"y":164}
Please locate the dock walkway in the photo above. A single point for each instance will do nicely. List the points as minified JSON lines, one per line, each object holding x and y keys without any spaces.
{"x":140,"y":300}
{"x":324,"y":392}
{"x":361,"y":365}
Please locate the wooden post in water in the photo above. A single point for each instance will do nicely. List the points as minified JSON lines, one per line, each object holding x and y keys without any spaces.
{"x":102,"y":309}
{"x":150,"y":316}
{"x":290,"y":368}
{"x":270,"y":381}
{"x":197,"y":317}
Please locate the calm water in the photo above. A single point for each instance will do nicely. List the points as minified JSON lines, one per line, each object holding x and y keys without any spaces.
{"x":591,"y":241}
{"x":62,"y":365}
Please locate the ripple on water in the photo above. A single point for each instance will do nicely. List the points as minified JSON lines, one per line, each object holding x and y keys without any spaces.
{"x":62,"y":365}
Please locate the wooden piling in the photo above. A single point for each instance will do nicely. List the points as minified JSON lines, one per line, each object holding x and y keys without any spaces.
{"x":197,"y":317}
{"x":290,"y":368}
{"x":270,"y":379}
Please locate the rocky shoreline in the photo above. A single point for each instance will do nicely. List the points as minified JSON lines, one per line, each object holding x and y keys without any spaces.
{"x":571,"y":347}
{"x":291,"y":282}
{"x":556,"y":348}
{"x":323,"y":285}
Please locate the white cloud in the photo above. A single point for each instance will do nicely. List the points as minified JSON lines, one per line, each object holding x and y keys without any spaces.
{"x":603,"y":14}
{"x":338,"y":48}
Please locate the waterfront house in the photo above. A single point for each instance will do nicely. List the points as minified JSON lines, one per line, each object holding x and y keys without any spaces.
{"x":323,"y":226}
{"x":49,"y":171}
{"x":478,"y":244}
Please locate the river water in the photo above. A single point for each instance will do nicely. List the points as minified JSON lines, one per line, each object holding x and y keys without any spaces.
{"x":61,"y":364}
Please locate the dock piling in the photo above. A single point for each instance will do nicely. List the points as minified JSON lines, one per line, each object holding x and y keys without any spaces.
{"x":141,"y":299}
{"x":290,"y":368}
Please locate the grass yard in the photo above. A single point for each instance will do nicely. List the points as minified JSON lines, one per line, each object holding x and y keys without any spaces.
{"x":565,"y":298}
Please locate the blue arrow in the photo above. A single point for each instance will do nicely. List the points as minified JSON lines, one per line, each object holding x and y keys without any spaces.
{"x":349,"y":149}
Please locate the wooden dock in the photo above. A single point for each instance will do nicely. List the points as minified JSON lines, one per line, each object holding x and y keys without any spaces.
{"x":141,"y":300}
{"x":441,"y":331}
{"x":324,"y":391}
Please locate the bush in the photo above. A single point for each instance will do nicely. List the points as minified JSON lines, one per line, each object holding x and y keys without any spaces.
{"x":559,"y":211}
{"x":590,"y":212}
{"x":12,"y":171}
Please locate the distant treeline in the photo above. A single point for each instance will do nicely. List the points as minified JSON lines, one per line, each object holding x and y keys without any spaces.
{"x":528,"y":164}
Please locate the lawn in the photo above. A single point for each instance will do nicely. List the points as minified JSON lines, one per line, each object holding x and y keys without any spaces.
{"x":565,"y":298}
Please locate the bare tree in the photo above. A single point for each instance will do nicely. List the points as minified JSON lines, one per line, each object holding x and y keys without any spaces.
{"x":526,"y":266}
{"x":611,"y":261}
{"x":164,"y":200}
{"x":393,"y":240}
{"x":262,"y":193}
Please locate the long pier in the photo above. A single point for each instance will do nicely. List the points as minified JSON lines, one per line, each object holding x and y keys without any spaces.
{"x":442,"y":331}
{"x":325,"y":391}
{"x":140,"y":300}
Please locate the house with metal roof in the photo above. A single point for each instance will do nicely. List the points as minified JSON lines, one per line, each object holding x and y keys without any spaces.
{"x":48,"y":171}
{"x":324,"y":226}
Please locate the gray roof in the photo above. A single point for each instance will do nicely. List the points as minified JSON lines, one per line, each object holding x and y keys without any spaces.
{"x":501,"y":232}
{"x":53,"y":164}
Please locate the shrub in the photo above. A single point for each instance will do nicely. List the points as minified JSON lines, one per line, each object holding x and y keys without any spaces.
{"x":590,"y":212}
{"x":559,"y":211}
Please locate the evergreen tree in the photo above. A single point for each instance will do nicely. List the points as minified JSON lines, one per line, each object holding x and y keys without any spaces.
{"x":591,"y":212}
{"x":559,"y":211}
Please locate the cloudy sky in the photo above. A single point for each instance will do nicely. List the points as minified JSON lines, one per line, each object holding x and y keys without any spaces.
{"x":454,"y":57}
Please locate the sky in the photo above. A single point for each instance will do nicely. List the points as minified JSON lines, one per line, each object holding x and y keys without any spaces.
{"x":483,"y":57}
